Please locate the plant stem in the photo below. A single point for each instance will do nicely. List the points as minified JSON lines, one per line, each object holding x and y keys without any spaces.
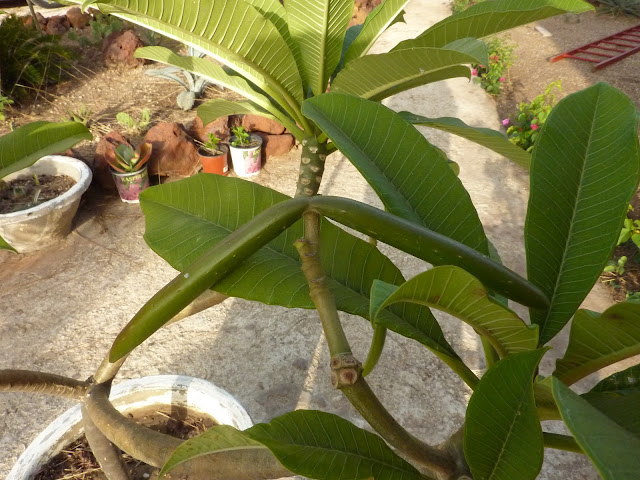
{"x":561,"y":442}
{"x":347,"y":371}
{"x":44,"y":383}
{"x":490,"y":355}
{"x":312,"y":160}
{"x":107,"y":454}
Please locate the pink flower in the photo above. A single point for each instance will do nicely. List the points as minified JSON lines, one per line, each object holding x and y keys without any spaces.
{"x":505,"y":122}
{"x":502,"y":79}
{"x":534,"y":126}
{"x":474,"y":71}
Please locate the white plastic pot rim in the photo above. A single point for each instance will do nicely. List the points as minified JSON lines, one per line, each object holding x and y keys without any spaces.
{"x":199,"y":395}
{"x":254,"y":137}
{"x":83,"y":180}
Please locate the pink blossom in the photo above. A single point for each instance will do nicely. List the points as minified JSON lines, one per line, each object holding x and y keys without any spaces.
{"x":534,"y":126}
{"x":505,"y":122}
{"x":502,"y":79}
{"x":474,"y":71}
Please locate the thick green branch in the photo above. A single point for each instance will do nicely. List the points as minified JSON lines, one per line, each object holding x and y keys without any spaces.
{"x":312,"y":160}
{"x":44,"y":383}
{"x":561,"y":442}
{"x":347,"y":371}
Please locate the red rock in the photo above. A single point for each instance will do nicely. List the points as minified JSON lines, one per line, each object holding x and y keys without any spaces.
{"x":361,"y":9}
{"x":57,"y":25}
{"x":256,"y":123}
{"x":173,"y":153}
{"x":77,"y":19}
{"x":219,"y":127}
{"x":105,"y":151}
{"x":275,"y":145}
{"x":118,"y":49}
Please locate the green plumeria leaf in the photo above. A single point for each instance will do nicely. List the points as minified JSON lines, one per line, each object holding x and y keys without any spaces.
{"x":622,"y":408}
{"x":486,"y":18}
{"x":410,"y":176}
{"x":381,"y":18}
{"x":452,"y":290}
{"x":579,"y":195}
{"x":379,"y":76}
{"x":318,"y":27}
{"x":27,"y":144}
{"x":611,"y":448}
{"x":598,"y":340}
{"x":219,"y":438}
{"x":231,"y":31}
{"x":324,"y":446}
{"x":502,"y":434}
{"x":491,"y":139}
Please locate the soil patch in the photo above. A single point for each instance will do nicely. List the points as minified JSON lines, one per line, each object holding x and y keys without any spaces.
{"x":532,"y":71}
{"x":77,"y":462}
{"x":23,"y":193}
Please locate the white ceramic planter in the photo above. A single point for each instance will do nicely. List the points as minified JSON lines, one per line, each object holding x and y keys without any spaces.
{"x":247,"y":162}
{"x":196,"y":394}
{"x":46,"y":224}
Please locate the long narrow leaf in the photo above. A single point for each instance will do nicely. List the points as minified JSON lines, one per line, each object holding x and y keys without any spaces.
{"x":381,"y":18}
{"x":376,"y":77}
{"x":486,"y":18}
{"x":231,"y":31}
{"x":452,"y":290}
{"x":325,"y":446}
{"x":626,"y":381}
{"x":621,"y":407}
{"x":580,"y":189}
{"x":597,"y":341}
{"x":410,"y":176}
{"x":502,"y":434}
{"x":25,"y":145}
{"x":486,"y":137}
{"x":318,"y":27}
{"x":611,"y":448}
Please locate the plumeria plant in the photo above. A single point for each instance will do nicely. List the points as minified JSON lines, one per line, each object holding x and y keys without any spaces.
{"x":299,"y":253}
{"x":492,"y":76}
{"x":524,"y":128}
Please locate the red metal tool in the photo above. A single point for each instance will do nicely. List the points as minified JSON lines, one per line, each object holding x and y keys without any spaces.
{"x":607,"y":50}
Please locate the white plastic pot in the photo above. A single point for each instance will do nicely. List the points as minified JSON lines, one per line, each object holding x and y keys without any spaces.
{"x":46,"y":224}
{"x":198,"y":395}
{"x":247,"y":162}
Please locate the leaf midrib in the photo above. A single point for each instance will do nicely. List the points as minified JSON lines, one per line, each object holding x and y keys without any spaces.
{"x":556,"y":286}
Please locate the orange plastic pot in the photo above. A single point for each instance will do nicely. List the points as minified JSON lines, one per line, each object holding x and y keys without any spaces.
{"x":214,"y":164}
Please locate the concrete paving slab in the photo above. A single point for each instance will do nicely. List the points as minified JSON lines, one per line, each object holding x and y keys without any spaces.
{"x":62,"y":308}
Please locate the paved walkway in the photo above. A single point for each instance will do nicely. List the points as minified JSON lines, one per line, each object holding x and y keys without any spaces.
{"x":62,"y":308}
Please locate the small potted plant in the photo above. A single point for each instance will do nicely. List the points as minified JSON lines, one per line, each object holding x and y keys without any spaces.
{"x":129,"y":170}
{"x":213,"y":156}
{"x":245,"y":152}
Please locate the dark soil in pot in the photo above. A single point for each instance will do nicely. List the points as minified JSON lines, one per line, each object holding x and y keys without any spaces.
{"x":23,"y":193}
{"x":76,"y":461}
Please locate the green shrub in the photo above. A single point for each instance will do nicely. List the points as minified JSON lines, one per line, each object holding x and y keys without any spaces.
{"x":491,"y":77}
{"x":28,"y":58}
{"x":524,"y":129}
{"x":620,"y":7}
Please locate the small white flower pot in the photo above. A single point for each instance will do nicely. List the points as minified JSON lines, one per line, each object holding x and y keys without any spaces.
{"x":193,"y":393}
{"x":46,"y":224}
{"x":247,"y":162}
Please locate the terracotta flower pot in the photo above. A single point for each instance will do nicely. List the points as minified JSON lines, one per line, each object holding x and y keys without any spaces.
{"x":214,"y":164}
{"x":247,"y":161}
{"x":131,"y":184}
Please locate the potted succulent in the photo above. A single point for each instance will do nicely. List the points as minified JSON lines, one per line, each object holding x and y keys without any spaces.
{"x":25,"y":154}
{"x":213,"y":156}
{"x":129,"y":170}
{"x":245,"y":152}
